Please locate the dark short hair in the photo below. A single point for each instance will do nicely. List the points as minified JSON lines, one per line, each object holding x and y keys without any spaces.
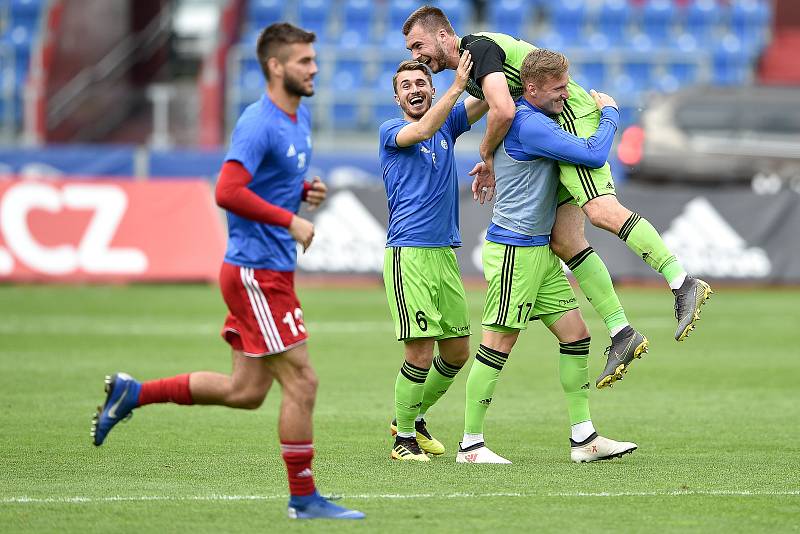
{"x":410,"y":64}
{"x":429,"y":17}
{"x":273,"y":40}
{"x":542,"y":64}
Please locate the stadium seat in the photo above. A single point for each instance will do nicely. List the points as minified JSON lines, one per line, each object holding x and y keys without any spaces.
{"x":613,"y":18}
{"x":348,"y":74}
{"x":458,"y":11}
{"x":658,"y":18}
{"x":730,"y":62}
{"x":550,"y":40}
{"x":313,"y":16}
{"x":700,"y":18}
{"x":509,"y":16}
{"x":346,"y":115}
{"x":25,"y":11}
{"x":398,"y":12}
{"x":358,"y":16}
{"x":568,"y":17}
{"x":592,"y":75}
{"x":750,"y":21}
{"x":264,"y":12}
{"x":640,"y":70}
{"x":383,"y":111}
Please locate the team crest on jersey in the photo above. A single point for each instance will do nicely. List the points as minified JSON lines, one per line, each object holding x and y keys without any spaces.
{"x":291,"y":152}
{"x":444,"y":144}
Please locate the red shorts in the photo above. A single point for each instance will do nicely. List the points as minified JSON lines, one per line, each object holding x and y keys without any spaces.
{"x":264,"y":315}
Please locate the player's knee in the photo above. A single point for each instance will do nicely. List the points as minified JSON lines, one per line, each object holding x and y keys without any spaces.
{"x":303,"y":387}
{"x":559,"y":247}
{"x":248,"y":399}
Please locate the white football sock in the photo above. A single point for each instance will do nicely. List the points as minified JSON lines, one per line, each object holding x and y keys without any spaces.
{"x":470,"y":440}
{"x":617,"y":329}
{"x":581,"y":431}
{"x":678,"y":281}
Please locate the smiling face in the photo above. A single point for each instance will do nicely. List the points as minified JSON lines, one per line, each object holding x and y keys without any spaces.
{"x":413,"y":92}
{"x":550,"y":94}
{"x":428,"y":47}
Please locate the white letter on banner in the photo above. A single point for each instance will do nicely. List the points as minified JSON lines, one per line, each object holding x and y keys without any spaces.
{"x":6,"y":262}
{"x":109,"y":203}
{"x":18,"y":201}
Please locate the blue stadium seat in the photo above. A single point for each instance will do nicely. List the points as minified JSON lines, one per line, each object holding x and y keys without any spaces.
{"x":640,"y":70}
{"x":550,"y":40}
{"x":25,"y":11}
{"x":667,"y":83}
{"x":684,"y":69}
{"x":313,"y":16}
{"x":509,"y":16}
{"x":700,"y":18}
{"x":348,"y":74}
{"x":358,"y":16}
{"x":458,"y":11}
{"x":658,"y":20}
{"x":264,"y":12}
{"x":750,"y":21}
{"x":730,"y":62}
{"x":568,"y":17}
{"x":383,"y":111}
{"x":591,"y":74}
{"x":613,"y":18}
{"x":346,"y":115}
{"x":398,"y":12}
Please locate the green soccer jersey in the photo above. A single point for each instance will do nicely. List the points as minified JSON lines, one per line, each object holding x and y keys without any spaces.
{"x":498,"y":52}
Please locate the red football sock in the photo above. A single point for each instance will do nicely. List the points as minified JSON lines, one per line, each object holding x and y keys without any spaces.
{"x":298,"y":455}
{"x":174,"y":389}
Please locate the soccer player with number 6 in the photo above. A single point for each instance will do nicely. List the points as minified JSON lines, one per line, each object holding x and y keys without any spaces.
{"x":261,"y":185}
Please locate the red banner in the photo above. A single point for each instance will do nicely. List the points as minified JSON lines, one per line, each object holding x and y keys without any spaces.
{"x":109,"y":231}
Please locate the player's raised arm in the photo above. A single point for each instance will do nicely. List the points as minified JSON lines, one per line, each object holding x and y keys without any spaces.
{"x":476,"y":108}
{"x":415,"y":90}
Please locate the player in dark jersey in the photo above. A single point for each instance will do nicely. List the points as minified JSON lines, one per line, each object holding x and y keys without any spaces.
{"x":497,"y":59}
{"x":261,"y":185}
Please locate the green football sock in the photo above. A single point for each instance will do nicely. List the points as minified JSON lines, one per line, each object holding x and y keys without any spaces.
{"x":595,"y":281}
{"x":440,"y":377}
{"x":481,"y":382}
{"x":573,"y":368}
{"x":408,"y":389}
{"x":645,"y":242}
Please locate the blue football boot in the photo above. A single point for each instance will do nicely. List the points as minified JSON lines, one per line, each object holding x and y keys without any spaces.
{"x":318,"y":507}
{"x":122,"y":396}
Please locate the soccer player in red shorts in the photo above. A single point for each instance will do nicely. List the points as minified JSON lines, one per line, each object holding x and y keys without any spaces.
{"x":261,"y":185}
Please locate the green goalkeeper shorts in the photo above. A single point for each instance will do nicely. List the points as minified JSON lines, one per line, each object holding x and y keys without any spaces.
{"x":580,"y":184}
{"x":425,"y":293}
{"x":525,"y":283}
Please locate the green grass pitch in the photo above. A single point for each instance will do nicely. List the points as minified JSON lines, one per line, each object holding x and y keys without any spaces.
{"x":716,"y":419}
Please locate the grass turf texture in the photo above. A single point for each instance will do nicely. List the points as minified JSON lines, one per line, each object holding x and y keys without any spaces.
{"x":715,"y":418}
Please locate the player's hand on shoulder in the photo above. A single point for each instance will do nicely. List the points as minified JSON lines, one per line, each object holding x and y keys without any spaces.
{"x":462,"y":72}
{"x":302,"y":231}
{"x":316,"y":194}
{"x":602,"y":100}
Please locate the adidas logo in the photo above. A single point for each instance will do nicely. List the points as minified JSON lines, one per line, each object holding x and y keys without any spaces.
{"x":346,"y":238}
{"x":486,"y":402}
{"x":609,"y":185}
{"x":292,"y":151}
{"x":645,"y":255}
{"x":585,"y":386}
{"x":414,"y":406}
{"x":706,"y":244}
{"x":471,"y":457}
{"x":305,"y":473}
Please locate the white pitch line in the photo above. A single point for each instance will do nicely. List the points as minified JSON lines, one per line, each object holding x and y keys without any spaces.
{"x":398,"y":496}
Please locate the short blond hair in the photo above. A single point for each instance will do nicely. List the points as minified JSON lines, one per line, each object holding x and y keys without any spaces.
{"x":541,"y":65}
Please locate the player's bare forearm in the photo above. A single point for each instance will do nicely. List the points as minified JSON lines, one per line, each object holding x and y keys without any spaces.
{"x":497,"y":125}
{"x":476,"y":108}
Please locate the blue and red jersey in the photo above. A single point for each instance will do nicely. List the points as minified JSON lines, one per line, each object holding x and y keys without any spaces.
{"x":275,"y":148}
